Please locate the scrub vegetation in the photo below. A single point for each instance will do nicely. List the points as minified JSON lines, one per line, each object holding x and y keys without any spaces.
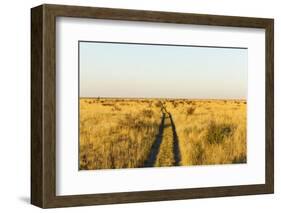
{"x":135,"y":133}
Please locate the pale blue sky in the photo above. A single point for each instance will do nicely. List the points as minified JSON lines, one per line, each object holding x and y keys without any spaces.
{"x":161,"y":71}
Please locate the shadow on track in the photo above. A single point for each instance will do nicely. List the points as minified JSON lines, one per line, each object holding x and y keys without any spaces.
{"x":156,"y":145}
{"x":158,"y":140}
{"x":176,"y":149}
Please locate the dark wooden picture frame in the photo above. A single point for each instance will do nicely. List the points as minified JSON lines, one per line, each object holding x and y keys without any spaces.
{"x":43,"y":105}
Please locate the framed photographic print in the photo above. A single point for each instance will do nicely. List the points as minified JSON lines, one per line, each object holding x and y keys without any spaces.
{"x":136,"y":106}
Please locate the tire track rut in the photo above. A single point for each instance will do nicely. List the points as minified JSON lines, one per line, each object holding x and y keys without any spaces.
{"x":155,"y":149}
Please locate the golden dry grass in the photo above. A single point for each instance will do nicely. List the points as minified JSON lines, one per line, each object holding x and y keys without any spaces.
{"x":210,"y":131}
{"x":116,"y":133}
{"x":122,"y":133}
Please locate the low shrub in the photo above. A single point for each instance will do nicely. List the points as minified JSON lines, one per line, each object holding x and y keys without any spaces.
{"x":190,"y":110}
{"x":216,"y":133}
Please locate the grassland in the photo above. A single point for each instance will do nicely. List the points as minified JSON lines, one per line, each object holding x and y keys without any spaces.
{"x":210,"y":132}
{"x":134,"y":133}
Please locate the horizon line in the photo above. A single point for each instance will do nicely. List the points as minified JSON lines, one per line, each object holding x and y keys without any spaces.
{"x":100,"y":97}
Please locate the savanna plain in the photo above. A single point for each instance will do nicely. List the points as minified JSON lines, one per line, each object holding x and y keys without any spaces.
{"x":136,"y":133}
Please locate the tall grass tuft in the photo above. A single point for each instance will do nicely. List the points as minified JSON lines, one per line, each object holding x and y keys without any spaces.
{"x":216,"y":133}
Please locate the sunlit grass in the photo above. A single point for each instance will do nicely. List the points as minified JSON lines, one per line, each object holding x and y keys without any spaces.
{"x":119,"y":133}
{"x":214,"y":133}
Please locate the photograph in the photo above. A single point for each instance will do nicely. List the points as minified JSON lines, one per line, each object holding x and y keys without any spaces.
{"x":139,"y":105}
{"x":161,"y":105}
